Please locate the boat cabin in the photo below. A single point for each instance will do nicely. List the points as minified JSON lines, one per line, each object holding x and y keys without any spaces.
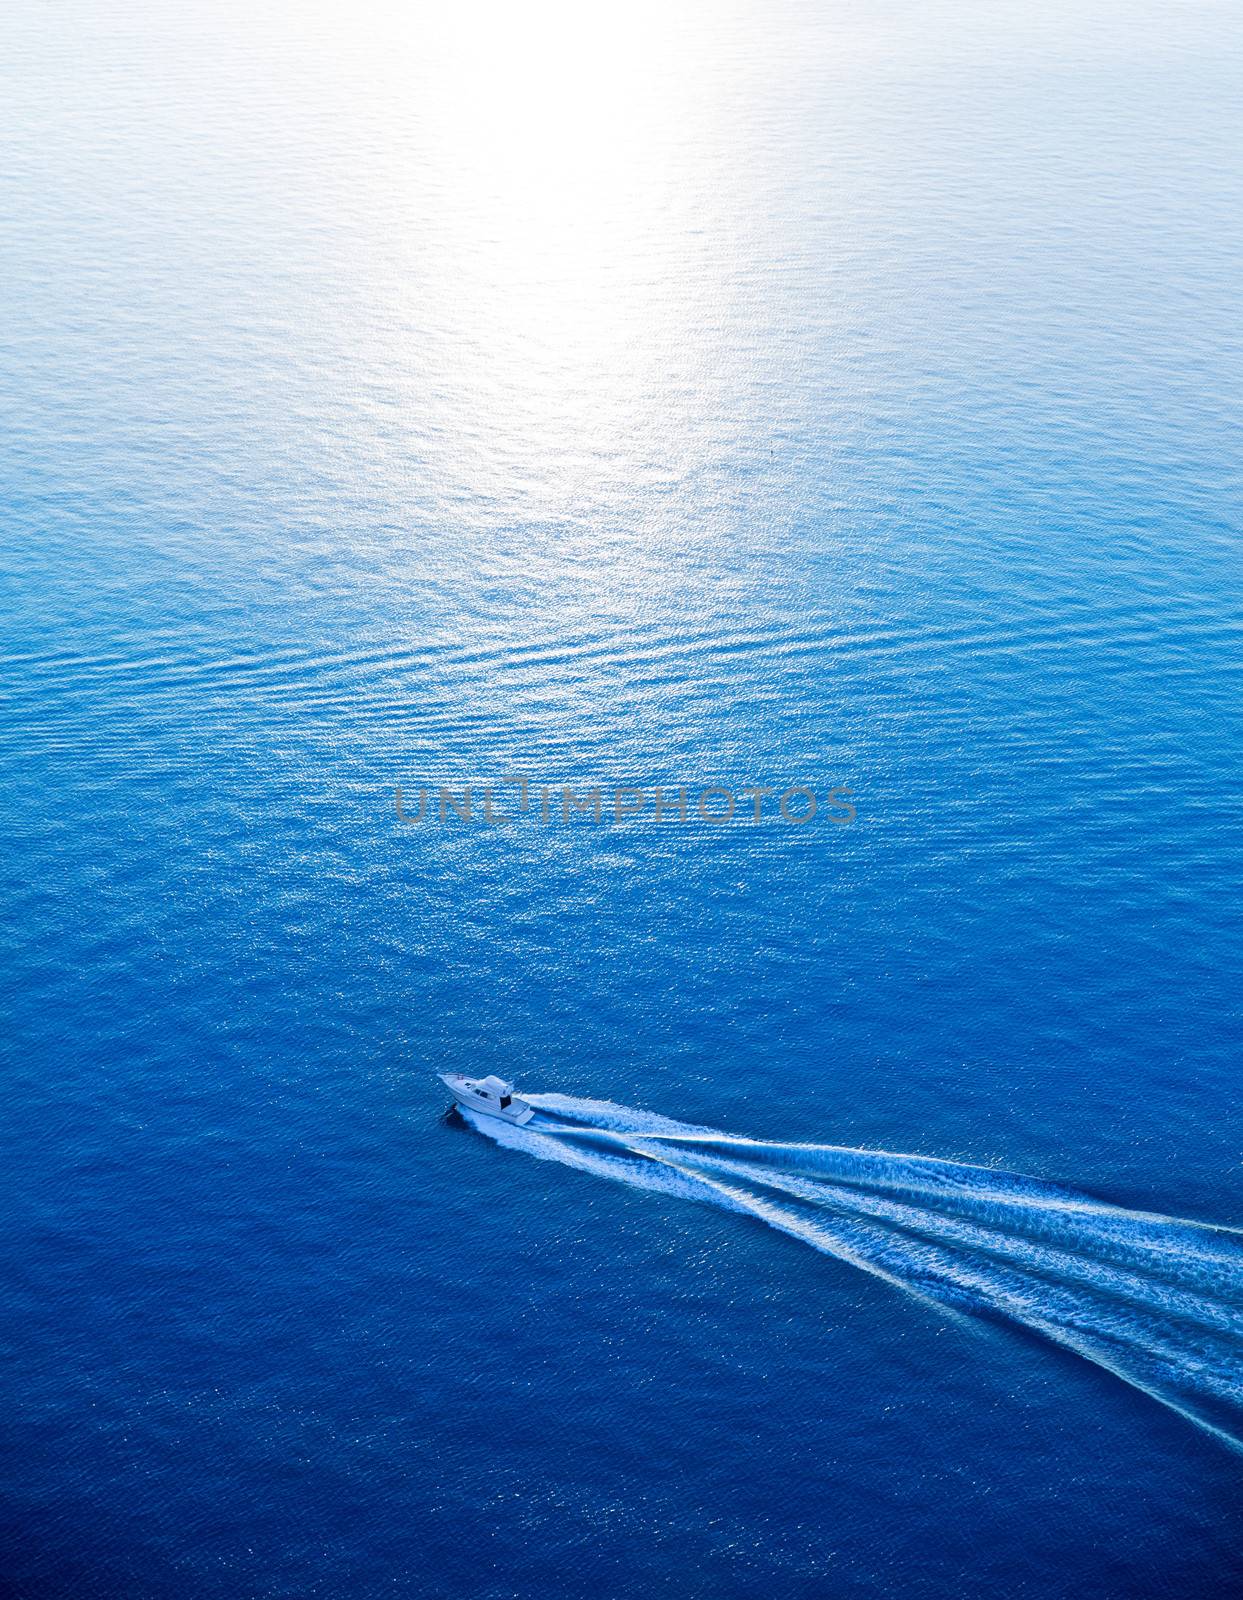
{"x":493,"y":1089}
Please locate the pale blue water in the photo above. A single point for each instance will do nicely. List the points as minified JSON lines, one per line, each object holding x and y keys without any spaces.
{"x":834,"y":394}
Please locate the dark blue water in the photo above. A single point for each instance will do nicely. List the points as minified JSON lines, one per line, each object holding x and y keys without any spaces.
{"x":786,"y":395}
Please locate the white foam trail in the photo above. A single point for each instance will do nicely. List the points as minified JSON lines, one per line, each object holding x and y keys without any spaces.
{"x":1058,"y":1264}
{"x":1156,"y":1300}
{"x":541,"y":1142}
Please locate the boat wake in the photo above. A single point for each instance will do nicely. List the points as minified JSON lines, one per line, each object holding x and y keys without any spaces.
{"x":1156,"y":1300}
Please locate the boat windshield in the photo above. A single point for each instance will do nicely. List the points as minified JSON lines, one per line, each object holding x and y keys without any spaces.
{"x":505,"y":1099}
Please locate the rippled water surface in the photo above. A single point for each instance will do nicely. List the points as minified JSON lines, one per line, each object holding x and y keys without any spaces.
{"x":835,"y":394}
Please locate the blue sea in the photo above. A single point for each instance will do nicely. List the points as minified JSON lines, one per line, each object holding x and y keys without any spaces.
{"x":830,"y":396}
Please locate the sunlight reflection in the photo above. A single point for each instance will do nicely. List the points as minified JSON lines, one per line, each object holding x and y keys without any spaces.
{"x":564,"y":226}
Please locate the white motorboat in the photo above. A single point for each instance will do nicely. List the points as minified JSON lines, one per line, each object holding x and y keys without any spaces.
{"x":492,"y":1096}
